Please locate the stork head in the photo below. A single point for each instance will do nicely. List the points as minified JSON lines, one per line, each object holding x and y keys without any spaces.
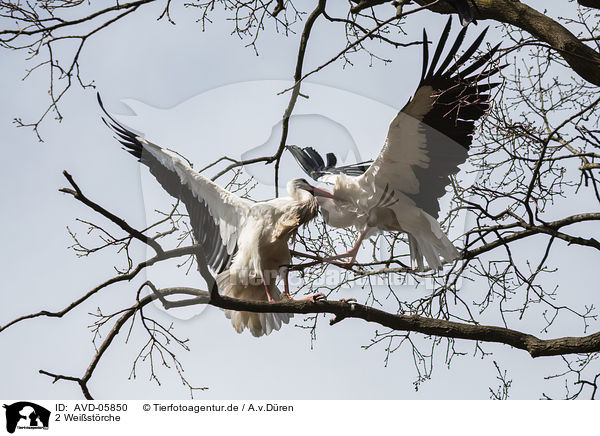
{"x":295,"y":185}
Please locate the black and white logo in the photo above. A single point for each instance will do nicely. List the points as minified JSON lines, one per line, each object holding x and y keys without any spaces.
{"x":26,"y":415}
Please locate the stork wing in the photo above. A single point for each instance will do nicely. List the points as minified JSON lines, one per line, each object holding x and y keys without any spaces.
{"x":431,"y":135}
{"x":216,"y":215}
{"x":314,"y":166}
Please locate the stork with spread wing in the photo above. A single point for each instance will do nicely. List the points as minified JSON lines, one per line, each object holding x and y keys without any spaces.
{"x":426,"y":142}
{"x":246,"y":243}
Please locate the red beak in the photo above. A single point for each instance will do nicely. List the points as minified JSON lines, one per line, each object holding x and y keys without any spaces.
{"x":318,"y":192}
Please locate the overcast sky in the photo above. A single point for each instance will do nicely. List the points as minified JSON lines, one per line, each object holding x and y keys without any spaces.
{"x":205,"y":95}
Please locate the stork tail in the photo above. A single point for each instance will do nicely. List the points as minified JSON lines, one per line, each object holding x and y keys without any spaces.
{"x":258,"y":324}
{"x":431,"y":243}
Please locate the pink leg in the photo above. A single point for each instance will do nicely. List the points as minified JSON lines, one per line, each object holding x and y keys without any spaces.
{"x":269,"y":298}
{"x":286,"y":285}
{"x":352,"y":253}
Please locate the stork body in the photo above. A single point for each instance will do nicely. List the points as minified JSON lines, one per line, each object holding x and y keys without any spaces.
{"x":426,"y":142}
{"x":263,"y":255}
{"x":245,"y":243}
{"x":360,"y":202}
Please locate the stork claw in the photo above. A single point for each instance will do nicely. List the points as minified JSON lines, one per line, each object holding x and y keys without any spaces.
{"x":313,"y":298}
{"x":317,"y":297}
{"x":351,"y":254}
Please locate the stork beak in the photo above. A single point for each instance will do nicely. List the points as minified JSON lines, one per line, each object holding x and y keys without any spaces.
{"x":318,"y":192}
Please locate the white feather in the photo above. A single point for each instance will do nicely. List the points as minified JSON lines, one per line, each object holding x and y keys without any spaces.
{"x":227,"y":209}
{"x":259,"y":230}
{"x":358,"y":198}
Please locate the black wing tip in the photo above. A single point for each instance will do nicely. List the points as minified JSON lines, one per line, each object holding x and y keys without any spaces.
{"x":446,"y":71}
{"x":124,"y":136}
{"x":428,"y":74}
{"x":439,"y":48}
{"x":461,"y":95}
{"x":448,"y":25}
{"x":311,"y":161}
{"x":301,"y":150}
{"x":306,"y":159}
{"x":99,"y":99}
{"x":425,"y":55}
{"x":331,"y":160}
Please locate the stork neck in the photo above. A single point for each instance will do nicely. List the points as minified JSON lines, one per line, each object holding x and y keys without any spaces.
{"x":302,"y":196}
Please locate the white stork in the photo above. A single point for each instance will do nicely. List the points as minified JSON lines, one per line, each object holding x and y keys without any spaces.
{"x":428,"y":139}
{"x":246,"y":243}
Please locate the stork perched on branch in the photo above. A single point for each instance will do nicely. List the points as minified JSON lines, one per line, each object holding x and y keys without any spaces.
{"x":426,"y":142}
{"x":245,"y":243}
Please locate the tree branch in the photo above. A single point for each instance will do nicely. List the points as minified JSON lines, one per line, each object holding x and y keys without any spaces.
{"x":78,"y":195}
{"x":169,"y":254}
{"x":344,"y":309}
{"x":411,"y":323}
{"x":310,"y":21}
{"x":584,"y":60}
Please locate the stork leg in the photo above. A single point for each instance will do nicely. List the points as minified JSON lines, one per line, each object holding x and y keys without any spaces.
{"x":286,"y":288}
{"x":262,"y":276}
{"x":352,"y":253}
{"x":286,"y":284}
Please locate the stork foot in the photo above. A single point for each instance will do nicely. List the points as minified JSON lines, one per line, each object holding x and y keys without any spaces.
{"x":345,"y":263}
{"x":313,"y":298}
{"x":335,"y":260}
{"x":316,"y":297}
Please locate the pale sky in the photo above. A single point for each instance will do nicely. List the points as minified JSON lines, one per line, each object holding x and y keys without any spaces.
{"x":183,"y":72}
